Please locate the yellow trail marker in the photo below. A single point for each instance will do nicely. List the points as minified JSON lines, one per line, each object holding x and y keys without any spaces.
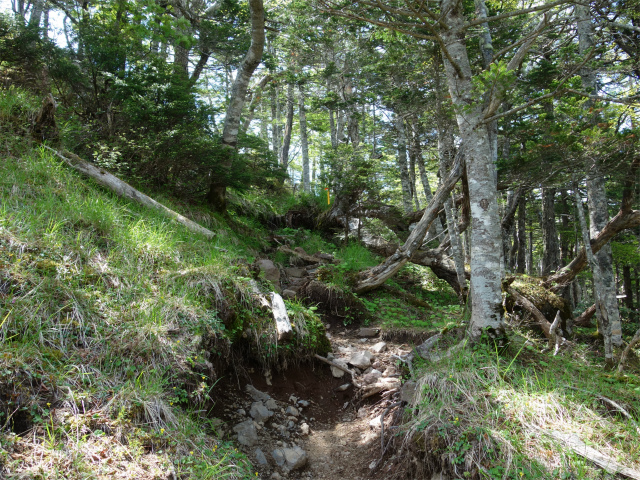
{"x":328,"y":199}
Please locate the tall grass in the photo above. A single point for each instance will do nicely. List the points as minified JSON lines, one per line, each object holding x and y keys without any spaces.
{"x":100,"y":329}
{"x":481,"y":414}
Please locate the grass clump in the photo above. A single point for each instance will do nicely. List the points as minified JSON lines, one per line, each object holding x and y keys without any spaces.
{"x":115,"y":324}
{"x":482,"y":415}
{"x":106,"y":347}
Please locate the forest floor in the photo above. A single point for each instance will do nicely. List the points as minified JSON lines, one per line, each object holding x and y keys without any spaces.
{"x":127,"y":344}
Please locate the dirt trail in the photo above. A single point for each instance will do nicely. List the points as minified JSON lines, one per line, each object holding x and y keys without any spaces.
{"x":335,"y":429}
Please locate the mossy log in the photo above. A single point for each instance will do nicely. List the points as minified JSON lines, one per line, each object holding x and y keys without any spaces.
{"x":543,"y":299}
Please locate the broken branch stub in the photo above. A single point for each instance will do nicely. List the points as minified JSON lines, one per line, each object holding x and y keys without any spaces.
{"x":283,"y":324}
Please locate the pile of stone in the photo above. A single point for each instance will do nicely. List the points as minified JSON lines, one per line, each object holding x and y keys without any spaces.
{"x":270,"y":430}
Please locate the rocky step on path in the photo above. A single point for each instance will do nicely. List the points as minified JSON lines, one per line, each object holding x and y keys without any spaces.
{"x":320,"y":422}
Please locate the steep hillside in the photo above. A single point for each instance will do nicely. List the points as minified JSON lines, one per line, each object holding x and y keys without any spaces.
{"x":116,"y":323}
{"x":133,"y":348}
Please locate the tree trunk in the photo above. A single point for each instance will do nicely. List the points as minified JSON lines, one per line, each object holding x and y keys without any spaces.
{"x":417,"y":148}
{"x":417,"y":151}
{"x":565,"y":250}
{"x":304,"y":142}
{"x":36,"y":13}
{"x":181,"y":60}
{"x":333,"y":130}
{"x":199,"y":68}
{"x":603,"y":317}
{"x":486,"y":244}
{"x":288,"y":127}
{"x":507,"y":225}
{"x":275,"y":121}
{"x":522,"y":234}
{"x":412,"y":175}
{"x":255,"y":101}
{"x":598,"y":208}
{"x":637,"y":272}
{"x":218,"y":188}
{"x":628,"y":290}
{"x":340,"y":122}
{"x":598,"y":216}
{"x":45,"y":23}
{"x":550,"y":256}
{"x":405,"y":181}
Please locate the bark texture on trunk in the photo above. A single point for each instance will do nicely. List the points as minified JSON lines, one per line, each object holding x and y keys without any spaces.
{"x":628,"y":290}
{"x":565,"y":248}
{"x":218,"y":188}
{"x":598,"y":217}
{"x":507,"y":225}
{"x":255,"y":101}
{"x":304,"y":141}
{"x":603,"y":317}
{"x":551,"y":249}
{"x":288,"y":128}
{"x":36,"y":13}
{"x":405,"y":181}
{"x":598,"y":208}
{"x":275,"y":121}
{"x":522,"y":234}
{"x":486,"y":244}
{"x":456,"y":248}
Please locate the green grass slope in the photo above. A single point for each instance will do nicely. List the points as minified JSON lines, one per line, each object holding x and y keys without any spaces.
{"x":115,"y":324}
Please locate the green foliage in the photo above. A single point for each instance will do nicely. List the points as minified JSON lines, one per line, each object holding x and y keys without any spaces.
{"x":116,"y":309}
{"x":483,"y":405}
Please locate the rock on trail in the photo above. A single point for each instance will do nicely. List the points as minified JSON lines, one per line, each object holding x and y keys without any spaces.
{"x":309,"y":424}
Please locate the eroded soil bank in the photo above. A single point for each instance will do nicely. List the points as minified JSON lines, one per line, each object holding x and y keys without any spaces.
{"x":311,"y":421}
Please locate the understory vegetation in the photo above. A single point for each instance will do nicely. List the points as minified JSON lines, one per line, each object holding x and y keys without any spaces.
{"x":431,"y":206}
{"x":116,"y":325}
{"x":481,"y":413}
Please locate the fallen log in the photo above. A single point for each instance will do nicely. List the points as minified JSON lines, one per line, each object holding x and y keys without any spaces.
{"x":584,"y":320}
{"x":123,"y":189}
{"x":374,"y":277}
{"x":605,"y":462}
{"x":434,"y":258}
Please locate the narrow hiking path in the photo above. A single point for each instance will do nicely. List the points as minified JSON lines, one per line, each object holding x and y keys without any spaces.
{"x":309,"y":421}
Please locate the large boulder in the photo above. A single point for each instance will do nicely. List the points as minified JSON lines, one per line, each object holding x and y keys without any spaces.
{"x":289,"y":459}
{"x":270,"y":271}
{"x":247,"y":433}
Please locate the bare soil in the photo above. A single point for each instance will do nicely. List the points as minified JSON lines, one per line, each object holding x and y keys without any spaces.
{"x":344,"y":430}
